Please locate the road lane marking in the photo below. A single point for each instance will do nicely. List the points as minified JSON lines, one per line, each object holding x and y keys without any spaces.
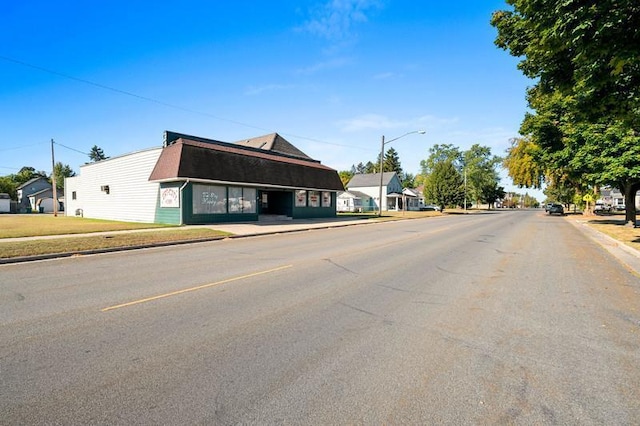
{"x":186,"y":290}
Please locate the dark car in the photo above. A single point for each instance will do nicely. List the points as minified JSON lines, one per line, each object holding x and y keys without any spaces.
{"x":556,"y":208}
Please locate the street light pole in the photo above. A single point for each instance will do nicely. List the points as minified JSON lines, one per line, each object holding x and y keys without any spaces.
{"x":382,"y":144}
{"x":381,"y":172}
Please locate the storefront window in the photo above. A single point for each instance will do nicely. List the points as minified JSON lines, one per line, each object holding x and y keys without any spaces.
{"x":242,"y":200}
{"x":301,"y":198}
{"x":209,"y":199}
{"x":326,"y":199}
{"x":314,"y":198}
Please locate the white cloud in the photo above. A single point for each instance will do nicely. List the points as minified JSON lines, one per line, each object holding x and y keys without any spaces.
{"x":370,"y":122}
{"x":324,"y":65}
{"x":334,"y":20}
{"x":384,"y":76}
{"x":257,"y":90}
{"x":381,"y":122}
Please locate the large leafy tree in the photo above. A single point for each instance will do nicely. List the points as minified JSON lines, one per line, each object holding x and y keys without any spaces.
{"x":27,"y":173}
{"x":585,"y":58}
{"x":480,"y":171}
{"x":8,"y":186}
{"x":345,"y":177}
{"x":62,"y":171}
{"x":524,"y":163}
{"x":440,"y":153}
{"x":445,"y":185}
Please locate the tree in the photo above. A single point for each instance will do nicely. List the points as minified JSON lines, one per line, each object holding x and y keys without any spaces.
{"x":26,"y":174}
{"x":96,"y":154}
{"x":441,"y":153}
{"x":391,"y":162}
{"x":586,"y":59}
{"x":479,"y":166}
{"x":9,"y":186}
{"x":492,"y":193}
{"x":62,"y":171}
{"x":370,"y":167}
{"x":408,"y":180}
{"x":345,"y":177}
{"x":444,"y":186}
{"x":524,"y":163}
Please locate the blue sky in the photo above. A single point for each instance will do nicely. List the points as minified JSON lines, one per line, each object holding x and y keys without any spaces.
{"x":332,"y":77}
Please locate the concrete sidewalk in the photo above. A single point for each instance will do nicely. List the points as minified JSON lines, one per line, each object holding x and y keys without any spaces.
{"x":237,"y":230}
{"x":240,"y":229}
{"x":626,"y":255}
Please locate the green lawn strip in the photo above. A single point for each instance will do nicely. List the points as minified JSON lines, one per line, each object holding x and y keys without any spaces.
{"x":77,"y":244}
{"x":33,"y":225}
{"x":625,"y":234}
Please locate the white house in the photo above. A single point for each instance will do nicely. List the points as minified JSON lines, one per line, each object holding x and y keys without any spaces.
{"x":352,"y":201}
{"x":412,"y":199}
{"x":369,"y":184}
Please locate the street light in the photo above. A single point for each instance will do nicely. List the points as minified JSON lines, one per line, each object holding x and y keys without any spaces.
{"x":421,"y":132}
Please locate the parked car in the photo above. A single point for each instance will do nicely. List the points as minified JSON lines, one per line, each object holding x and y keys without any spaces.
{"x":621,"y":207}
{"x":601,"y":207}
{"x":429,"y":207}
{"x":556,"y":209}
{"x":547,"y":206}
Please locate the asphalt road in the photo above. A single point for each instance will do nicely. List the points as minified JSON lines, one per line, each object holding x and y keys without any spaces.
{"x":503,"y":318}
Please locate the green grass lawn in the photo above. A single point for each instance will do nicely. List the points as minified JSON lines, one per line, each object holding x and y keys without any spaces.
{"x":32,"y":225}
{"x":98,"y":242}
{"x":42,"y":225}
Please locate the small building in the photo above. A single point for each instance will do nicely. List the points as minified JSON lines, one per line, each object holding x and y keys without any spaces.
{"x":412,"y":199}
{"x":194,"y":180}
{"x":31,"y":192}
{"x":5,"y":203}
{"x":369,"y":184}
{"x":354,"y":202}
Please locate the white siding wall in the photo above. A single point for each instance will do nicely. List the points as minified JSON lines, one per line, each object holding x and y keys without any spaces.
{"x":372,"y":191}
{"x":71,"y":185}
{"x":131,"y":196}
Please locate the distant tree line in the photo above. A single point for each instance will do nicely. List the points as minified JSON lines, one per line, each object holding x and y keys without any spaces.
{"x":449,"y":175}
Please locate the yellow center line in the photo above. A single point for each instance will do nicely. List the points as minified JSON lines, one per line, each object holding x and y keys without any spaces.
{"x":186,"y":290}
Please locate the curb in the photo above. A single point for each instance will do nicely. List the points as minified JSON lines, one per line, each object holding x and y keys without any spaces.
{"x":61,"y":255}
{"x":626,"y":255}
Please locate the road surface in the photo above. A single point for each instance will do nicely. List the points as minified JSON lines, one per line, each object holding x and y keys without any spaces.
{"x":500,"y":318}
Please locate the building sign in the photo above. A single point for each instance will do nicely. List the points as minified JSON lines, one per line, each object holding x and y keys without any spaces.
{"x":169,"y":197}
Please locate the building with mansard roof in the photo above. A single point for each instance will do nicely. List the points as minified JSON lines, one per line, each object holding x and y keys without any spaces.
{"x":194,"y":180}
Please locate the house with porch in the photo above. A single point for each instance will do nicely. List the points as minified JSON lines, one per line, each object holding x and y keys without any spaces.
{"x":369,"y":184}
{"x":195,"y":180}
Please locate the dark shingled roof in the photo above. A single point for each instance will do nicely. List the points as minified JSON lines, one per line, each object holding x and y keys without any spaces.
{"x":274,"y":143}
{"x":369,"y":179}
{"x":210,"y":160}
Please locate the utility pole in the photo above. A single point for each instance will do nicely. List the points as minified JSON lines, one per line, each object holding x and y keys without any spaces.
{"x":53,"y":181}
{"x":465,"y":189}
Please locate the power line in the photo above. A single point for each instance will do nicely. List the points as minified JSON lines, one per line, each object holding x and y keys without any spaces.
{"x":21,"y":147}
{"x":166,"y":104}
{"x":72,"y":149}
